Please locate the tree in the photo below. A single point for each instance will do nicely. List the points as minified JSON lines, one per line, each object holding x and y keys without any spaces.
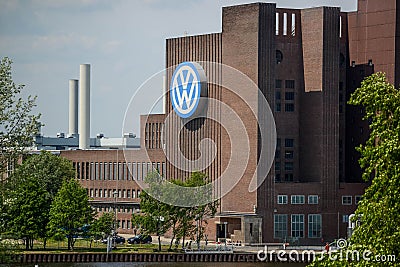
{"x":379,"y":209}
{"x":103,"y":226}
{"x":158,"y":215}
{"x":29,"y":206}
{"x":70,"y":211}
{"x":17,"y":124}
{"x":153,"y":219}
{"x":29,"y":192}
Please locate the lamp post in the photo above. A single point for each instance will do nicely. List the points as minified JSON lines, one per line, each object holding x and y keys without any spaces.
{"x":115,"y":194}
{"x":225,"y":228}
{"x":160,"y":220}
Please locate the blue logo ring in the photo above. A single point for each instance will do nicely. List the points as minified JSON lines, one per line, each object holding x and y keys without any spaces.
{"x":186,"y":87}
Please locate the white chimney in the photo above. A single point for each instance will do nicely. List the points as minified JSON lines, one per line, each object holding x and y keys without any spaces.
{"x":84,"y":106}
{"x":73,"y":108}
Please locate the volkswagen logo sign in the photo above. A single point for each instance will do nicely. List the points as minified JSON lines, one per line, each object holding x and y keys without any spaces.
{"x":188,"y":90}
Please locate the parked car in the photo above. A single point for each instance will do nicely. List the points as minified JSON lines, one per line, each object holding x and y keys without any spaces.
{"x":142,"y":239}
{"x":117,"y":239}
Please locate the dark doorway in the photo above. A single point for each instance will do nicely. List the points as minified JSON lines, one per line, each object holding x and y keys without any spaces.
{"x":221,"y":231}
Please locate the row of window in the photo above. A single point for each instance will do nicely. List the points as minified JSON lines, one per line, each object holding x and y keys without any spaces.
{"x":289,"y":107}
{"x":283,"y":29}
{"x":120,"y":209}
{"x":313,"y":199}
{"x":117,"y":170}
{"x":288,"y":164}
{"x":112,"y":193}
{"x":348,"y":200}
{"x":289,"y":142}
{"x":153,"y":133}
{"x":288,"y":84}
{"x":297,"y":199}
{"x":124,"y":224}
{"x":297,"y":226}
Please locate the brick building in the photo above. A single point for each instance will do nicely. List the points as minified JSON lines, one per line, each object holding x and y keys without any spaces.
{"x":306,"y":62}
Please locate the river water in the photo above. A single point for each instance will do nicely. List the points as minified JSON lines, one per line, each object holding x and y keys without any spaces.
{"x":166,"y":264}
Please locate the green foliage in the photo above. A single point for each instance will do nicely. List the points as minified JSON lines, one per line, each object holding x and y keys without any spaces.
{"x":27,"y":195}
{"x":158,"y":215}
{"x":7,"y":252}
{"x":70,"y":211}
{"x":48,"y":169}
{"x":29,"y":206}
{"x":17,"y":124}
{"x":379,"y":209}
{"x":103,"y":226}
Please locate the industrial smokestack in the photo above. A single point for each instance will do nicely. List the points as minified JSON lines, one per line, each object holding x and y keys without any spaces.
{"x":84,"y":106}
{"x":73,"y":108}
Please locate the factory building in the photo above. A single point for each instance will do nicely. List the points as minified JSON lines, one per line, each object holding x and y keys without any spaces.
{"x":306,"y":62}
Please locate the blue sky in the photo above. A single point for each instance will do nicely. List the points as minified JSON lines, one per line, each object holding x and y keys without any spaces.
{"x":124,"y":41}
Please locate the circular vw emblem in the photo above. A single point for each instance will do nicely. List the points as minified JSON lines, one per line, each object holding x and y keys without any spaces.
{"x":188,"y":86}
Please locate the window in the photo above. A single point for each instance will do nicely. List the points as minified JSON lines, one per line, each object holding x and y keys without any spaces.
{"x":289,"y":96}
{"x":128,"y":224}
{"x":279,"y":57}
{"x":288,"y":166}
{"x":277,"y":23}
{"x":101,"y":193}
{"x":95,"y":193}
{"x":357,"y":199}
{"x":277,"y":154}
{"x":289,"y":84}
{"x":138,"y":193}
{"x":123,"y":193}
{"x":280,"y":226}
{"x":277,"y":166}
{"x":278,"y":83}
{"x":91,"y":192}
{"x":314,"y":225}
{"x":105,"y":193}
{"x":119,"y":193}
{"x":134,"y":171}
{"x":346,"y":200}
{"x":278,"y":95}
{"x":297,"y":225}
{"x":133,"y":193}
{"x":297,"y":199}
{"x":101,"y":171}
{"x":96,"y":171}
{"x":345,"y":218}
{"x":115,"y":172}
{"x":289,"y":154}
{"x":289,"y":142}
{"x":289,"y":177}
{"x":278,"y":107}
{"x":282,"y":199}
{"x":293,"y":32}
{"x":128,"y":193}
{"x":139,"y":170}
{"x":277,"y":177}
{"x":289,"y":107}
{"x":313,"y":199}
{"x":285,"y":23}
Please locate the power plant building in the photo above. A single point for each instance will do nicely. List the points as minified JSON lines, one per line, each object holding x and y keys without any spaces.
{"x":306,"y":63}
